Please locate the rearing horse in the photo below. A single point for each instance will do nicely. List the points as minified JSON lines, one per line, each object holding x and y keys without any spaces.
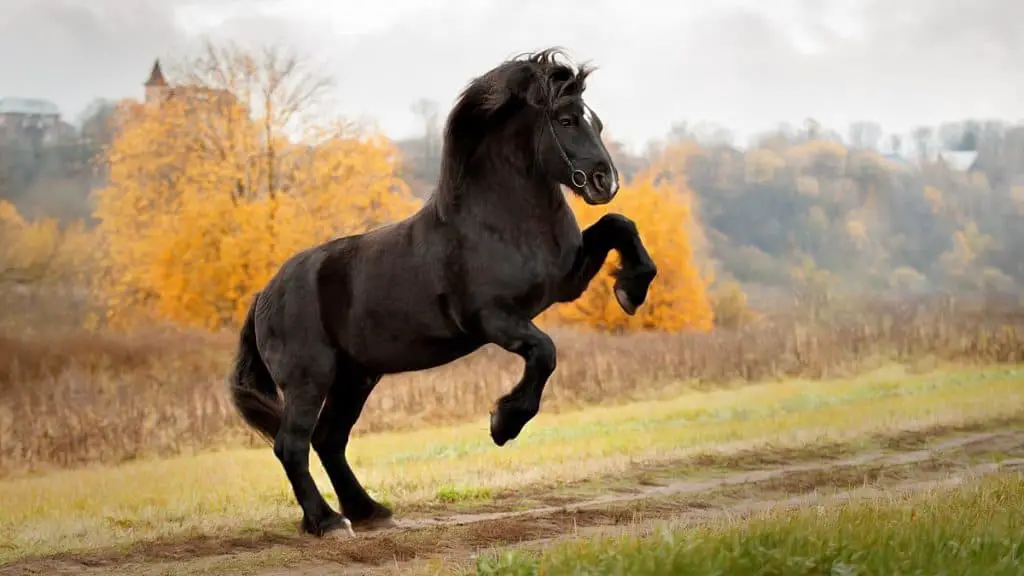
{"x":492,"y":248}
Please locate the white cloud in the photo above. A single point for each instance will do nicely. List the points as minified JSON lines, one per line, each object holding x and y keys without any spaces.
{"x":744,"y":63}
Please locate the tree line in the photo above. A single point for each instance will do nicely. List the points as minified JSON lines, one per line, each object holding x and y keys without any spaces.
{"x":184,"y":206}
{"x":210,"y":186}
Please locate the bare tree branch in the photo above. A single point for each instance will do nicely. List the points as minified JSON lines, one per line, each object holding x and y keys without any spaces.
{"x":281,"y":91}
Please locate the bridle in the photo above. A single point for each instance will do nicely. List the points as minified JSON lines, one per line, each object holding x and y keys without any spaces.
{"x":576,"y":176}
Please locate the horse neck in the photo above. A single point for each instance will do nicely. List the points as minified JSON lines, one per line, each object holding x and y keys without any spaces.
{"x":502,"y":186}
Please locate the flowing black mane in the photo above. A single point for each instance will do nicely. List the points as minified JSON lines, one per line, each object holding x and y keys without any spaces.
{"x":537,"y":80}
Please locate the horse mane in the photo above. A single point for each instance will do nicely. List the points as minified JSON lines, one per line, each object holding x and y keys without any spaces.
{"x":536,"y":80}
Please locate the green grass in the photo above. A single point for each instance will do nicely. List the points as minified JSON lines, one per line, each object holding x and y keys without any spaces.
{"x":977,"y":529}
{"x":240,"y":491}
{"x":451,"y":494}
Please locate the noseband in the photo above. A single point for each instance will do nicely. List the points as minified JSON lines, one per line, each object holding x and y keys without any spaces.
{"x":576,"y":176}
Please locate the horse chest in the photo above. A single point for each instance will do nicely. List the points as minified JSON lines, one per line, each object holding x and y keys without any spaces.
{"x":532,"y":273}
{"x":523,"y":262}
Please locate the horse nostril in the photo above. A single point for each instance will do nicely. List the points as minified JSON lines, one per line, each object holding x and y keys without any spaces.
{"x":602,"y":177}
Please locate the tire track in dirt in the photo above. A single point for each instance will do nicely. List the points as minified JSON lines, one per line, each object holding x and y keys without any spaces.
{"x":683,"y":488}
{"x":458,"y":535}
{"x":687,"y":517}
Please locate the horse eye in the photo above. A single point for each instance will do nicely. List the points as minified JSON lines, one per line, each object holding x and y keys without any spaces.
{"x":565,"y":121}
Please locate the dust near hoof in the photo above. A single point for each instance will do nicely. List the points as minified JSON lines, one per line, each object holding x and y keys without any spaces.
{"x":374,"y":524}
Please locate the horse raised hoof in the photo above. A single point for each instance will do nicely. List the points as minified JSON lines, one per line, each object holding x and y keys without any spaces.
{"x":333,"y":527}
{"x":631,"y":288}
{"x":624,"y":301}
{"x":507,"y":420}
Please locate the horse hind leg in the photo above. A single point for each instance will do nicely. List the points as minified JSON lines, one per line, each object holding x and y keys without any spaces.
{"x":342,"y":409}
{"x":304,"y":395}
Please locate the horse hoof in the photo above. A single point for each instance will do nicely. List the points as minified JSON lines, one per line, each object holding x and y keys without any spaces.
{"x":333,"y":528}
{"x":498,"y":435}
{"x":627,"y":305}
{"x":508,"y":420}
{"x":372,"y":524}
{"x":341,"y":531}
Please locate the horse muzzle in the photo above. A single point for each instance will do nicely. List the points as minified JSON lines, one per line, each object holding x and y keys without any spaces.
{"x":601,"y":186}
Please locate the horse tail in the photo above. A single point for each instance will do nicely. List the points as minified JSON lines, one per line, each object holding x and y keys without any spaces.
{"x":253,"y":390}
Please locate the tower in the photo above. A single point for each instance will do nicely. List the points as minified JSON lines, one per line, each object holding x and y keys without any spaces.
{"x":156,"y":86}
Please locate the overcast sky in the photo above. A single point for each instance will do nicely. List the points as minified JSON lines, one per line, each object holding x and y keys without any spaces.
{"x":747,"y":64}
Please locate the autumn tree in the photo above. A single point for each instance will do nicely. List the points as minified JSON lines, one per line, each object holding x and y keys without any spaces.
{"x":41,"y":250}
{"x":230,"y":173}
{"x":677,"y":299}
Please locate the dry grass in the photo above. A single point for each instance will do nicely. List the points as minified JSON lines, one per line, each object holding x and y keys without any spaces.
{"x":428,"y":469}
{"x":71,"y":397}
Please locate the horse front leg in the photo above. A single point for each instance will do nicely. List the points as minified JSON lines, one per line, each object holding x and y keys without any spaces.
{"x":632,"y":279}
{"x":521,"y":337}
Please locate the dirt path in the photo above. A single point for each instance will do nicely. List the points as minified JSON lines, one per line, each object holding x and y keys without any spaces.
{"x":454,"y":539}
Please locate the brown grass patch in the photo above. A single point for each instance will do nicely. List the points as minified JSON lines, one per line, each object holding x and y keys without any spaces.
{"x":73,"y":398}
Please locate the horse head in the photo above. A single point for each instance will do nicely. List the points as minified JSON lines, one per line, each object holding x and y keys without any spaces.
{"x":532,"y":107}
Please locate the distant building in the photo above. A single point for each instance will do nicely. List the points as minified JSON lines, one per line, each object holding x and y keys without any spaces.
{"x":955,"y":160}
{"x":156,"y":85}
{"x":959,"y":161}
{"x":31,"y":120}
{"x":159,"y":91}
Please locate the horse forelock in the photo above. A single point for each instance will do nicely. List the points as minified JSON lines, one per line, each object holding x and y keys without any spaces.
{"x":546,"y":79}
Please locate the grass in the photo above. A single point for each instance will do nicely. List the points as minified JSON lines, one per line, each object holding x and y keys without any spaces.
{"x":242,"y":491}
{"x":977,"y":529}
{"x":70,"y":398}
{"x":452,"y":494}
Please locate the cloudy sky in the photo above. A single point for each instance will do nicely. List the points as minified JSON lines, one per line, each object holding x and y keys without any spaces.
{"x":746,"y":64}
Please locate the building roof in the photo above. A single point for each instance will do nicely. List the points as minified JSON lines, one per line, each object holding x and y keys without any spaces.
{"x":202,"y":93}
{"x":28,"y":106}
{"x":156,"y":76}
{"x":959,"y":160}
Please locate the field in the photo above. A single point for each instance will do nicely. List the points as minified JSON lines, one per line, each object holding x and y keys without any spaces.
{"x":630,"y":467}
{"x":824,"y":378}
{"x":789,"y":447}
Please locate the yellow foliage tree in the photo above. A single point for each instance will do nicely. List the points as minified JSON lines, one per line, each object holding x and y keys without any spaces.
{"x":730,"y":305}
{"x":670,"y":168}
{"x":762,"y":164}
{"x":36,"y":251}
{"x":207,"y":198}
{"x":811,"y":151}
{"x":677,"y":299}
{"x":935,"y":198}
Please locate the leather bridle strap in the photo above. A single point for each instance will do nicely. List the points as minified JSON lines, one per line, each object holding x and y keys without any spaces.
{"x":576,"y":176}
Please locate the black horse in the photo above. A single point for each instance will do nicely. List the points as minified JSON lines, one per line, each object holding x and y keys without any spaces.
{"x":492,"y":248}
